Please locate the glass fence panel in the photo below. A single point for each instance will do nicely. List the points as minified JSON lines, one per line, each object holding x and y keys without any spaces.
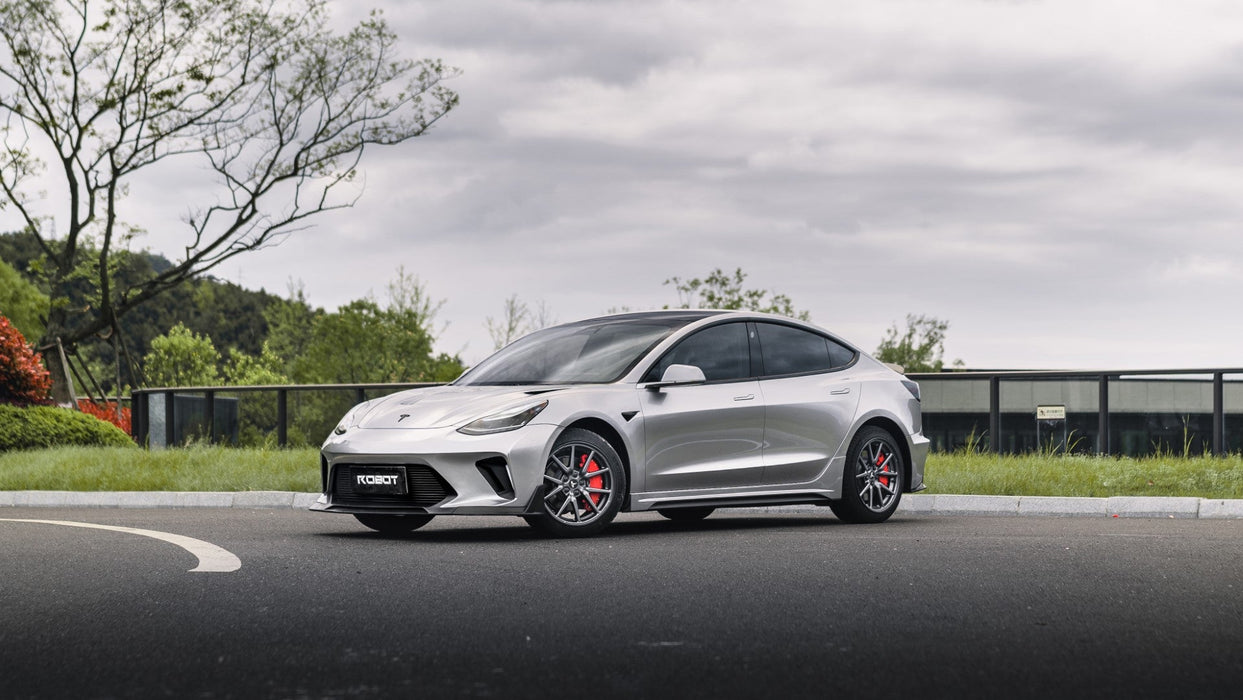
{"x":1050,"y":415}
{"x":253,"y":421}
{"x":1232,"y":419}
{"x":955,"y":413}
{"x":313,"y":414}
{"x":1161,"y":415}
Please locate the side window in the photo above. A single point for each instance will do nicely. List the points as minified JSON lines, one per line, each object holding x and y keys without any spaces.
{"x":722,"y":352}
{"x":789,"y":350}
{"x":840,"y":355}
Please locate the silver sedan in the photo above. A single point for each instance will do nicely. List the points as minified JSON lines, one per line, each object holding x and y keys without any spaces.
{"x":680,"y":412}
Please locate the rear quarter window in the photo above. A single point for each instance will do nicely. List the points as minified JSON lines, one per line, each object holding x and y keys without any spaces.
{"x":790,"y":350}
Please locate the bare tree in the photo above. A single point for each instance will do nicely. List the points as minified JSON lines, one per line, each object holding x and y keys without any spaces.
{"x":518,"y":318}
{"x":514,"y":323}
{"x":258,"y":93}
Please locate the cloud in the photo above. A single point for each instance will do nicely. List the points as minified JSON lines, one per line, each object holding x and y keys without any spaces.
{"x":1057,"y":180}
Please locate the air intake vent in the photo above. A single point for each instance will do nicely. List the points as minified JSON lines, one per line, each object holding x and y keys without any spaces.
{"x":427,"y":488}
{"x":494,"y":472}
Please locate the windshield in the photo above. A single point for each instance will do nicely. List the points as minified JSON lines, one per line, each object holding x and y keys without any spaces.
{"x":589,"y":352}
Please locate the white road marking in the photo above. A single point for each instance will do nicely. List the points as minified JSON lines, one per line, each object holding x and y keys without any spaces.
{"x":211,"y":558}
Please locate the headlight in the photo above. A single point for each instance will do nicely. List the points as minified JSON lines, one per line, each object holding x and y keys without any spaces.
{"x":510,"y":419}
{"x":352,"y":417}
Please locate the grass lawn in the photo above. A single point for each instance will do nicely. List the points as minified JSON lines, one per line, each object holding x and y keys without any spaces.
{"x":133,"y":469}
{"x":1077,"y":475}
{"x":228,"y":469}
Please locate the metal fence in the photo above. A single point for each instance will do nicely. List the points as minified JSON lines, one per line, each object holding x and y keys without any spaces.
{"x":234,"y":415}
{"x":1132,"y":412}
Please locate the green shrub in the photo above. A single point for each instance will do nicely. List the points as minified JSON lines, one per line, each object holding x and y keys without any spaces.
{"x":47,"y":426}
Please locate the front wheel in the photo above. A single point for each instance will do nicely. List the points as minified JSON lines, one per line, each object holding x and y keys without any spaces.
{"x":584,"y":484}
{"x":872,"y":482}
{"x":393,"y":524}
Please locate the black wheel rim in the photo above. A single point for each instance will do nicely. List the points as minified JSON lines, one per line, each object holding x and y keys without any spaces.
{"x":877,"y":475}
{"x":579,"y":484}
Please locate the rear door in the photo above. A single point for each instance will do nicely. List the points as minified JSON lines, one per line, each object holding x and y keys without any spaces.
{"x":706,"y":435}
{"x":810,"y":400}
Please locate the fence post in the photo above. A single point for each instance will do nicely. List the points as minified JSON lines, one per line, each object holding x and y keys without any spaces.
{"x":1219,"y":415}
{"x":282,"y":417}
{"x":210,"y":409}
{"x":994,"y":414}
{"x":169,"y":435}
{"x":1102,"y":419}
{"x":137,"y":415}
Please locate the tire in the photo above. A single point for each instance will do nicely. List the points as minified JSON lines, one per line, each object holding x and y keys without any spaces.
{"x":872,"y":481}
{"x":584,"y":486}
{"x":686,"y":515}
{"x":393,"y":524}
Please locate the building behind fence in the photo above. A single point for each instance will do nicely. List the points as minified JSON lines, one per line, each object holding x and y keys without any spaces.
{"x":1131,"y":413}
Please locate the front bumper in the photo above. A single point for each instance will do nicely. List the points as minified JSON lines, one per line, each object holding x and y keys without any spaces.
{"x":447,"y":472}
{"x":919,"y":458}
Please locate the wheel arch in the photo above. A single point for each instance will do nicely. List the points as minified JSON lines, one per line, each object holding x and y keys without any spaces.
{"x":612,"y":437}
{"x":899,"y":436}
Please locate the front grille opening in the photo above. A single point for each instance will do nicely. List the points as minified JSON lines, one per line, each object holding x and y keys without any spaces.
{"x":495,"y":471}
{"x":426,"y":488}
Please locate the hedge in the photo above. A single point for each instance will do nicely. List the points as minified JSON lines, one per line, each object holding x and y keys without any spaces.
{"x":36,"y":427}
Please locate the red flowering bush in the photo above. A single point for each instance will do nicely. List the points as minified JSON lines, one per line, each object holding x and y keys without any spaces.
{"x":23,"y":378}
{"x":107,"y":411}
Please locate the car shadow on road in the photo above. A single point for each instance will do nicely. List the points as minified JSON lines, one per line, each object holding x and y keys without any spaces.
{"x":501,"y":529}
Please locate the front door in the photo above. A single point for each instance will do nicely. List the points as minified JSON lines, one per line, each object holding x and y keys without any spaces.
{"x":708,"y":435}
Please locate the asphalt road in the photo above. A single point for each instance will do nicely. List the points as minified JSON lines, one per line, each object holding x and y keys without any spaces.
{"x":780,"y":606}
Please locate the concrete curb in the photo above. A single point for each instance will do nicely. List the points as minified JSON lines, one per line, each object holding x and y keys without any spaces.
{"x":918,"y":504}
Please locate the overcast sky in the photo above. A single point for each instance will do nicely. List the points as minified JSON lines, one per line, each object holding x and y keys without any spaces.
{"x":1061,"y":181}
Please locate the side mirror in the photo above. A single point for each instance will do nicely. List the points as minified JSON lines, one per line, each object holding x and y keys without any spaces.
{"x":679,"y":374}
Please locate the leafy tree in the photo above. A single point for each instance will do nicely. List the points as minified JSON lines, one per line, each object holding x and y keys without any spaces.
{"x":21,"y":302}
{"x":257,"y":412}
{"x":182,"y":358}
{"x":262,"y":96}
{"x":229,"y":314}
{"x":720,"y":290}
{"x":290,"y":322}
{"x":249,"y":370}
{"x":365,"y":342}
{"x":918,"y":348}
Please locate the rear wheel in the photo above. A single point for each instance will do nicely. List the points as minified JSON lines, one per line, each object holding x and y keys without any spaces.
{"x":393,"y":524}
{"x":872,"y":482}
{"x":686,"y":515}
{"x":584,"y":484}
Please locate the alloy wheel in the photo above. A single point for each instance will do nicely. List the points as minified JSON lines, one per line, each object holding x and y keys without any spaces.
{"x":579,"y":484}
{"x":876,"y":475}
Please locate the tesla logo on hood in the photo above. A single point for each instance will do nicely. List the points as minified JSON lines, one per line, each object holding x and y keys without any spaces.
{"x":402,"y":417}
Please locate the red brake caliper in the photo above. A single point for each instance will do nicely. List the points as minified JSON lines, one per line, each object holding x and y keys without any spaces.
{"x":880,"y":461}
{"x":595,"y":482}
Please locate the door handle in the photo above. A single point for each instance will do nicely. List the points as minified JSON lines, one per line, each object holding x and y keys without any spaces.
{"x":840,"y":392}
{"x":744,"y":397}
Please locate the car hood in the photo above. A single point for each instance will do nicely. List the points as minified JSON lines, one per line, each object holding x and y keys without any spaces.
{"x":445,"y":406}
